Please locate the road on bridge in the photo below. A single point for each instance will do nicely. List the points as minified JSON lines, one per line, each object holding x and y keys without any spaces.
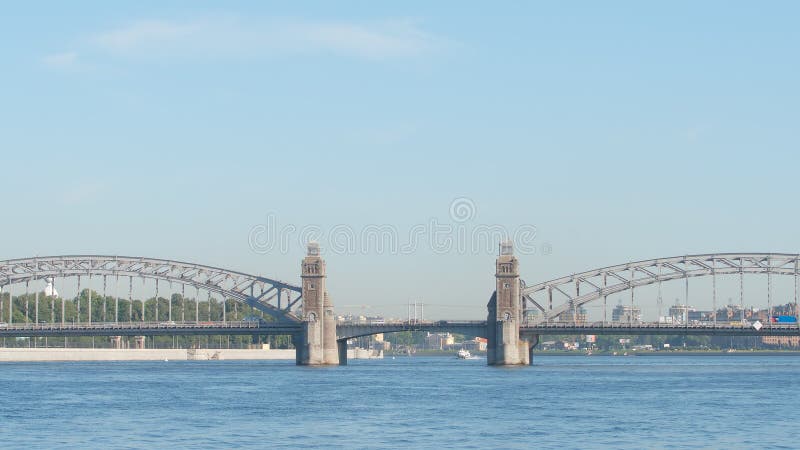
{"x":347,"y":330}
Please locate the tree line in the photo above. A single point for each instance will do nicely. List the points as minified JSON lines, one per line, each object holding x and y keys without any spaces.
{"x":88,"y":306}
{"x":110,"y":309}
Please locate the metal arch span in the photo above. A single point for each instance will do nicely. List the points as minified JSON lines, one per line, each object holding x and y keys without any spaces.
{"x":581,"y":288}
{"x":259,"y":292}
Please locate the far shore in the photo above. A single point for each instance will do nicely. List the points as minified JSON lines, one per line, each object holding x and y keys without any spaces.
{"x":88,"y":354}
{"x":676,"y":353}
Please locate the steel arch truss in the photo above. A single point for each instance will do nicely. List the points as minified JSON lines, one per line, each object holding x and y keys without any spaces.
{"x":581,"y":288}
{"x":276,"y":298}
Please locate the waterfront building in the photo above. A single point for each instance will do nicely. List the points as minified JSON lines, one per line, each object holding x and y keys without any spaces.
{"x":439,"y":341}
{"x":782,"y":341}
{"x":475,"y":345}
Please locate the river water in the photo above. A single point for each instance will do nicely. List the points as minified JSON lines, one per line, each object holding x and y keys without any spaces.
{"x":418,"y":402}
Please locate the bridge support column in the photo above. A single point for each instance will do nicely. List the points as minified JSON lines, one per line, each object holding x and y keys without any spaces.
{"x":342,"y":352}
{"x":317,"y":343}
{"x":533,"y":341}
{"x":505,"y":348}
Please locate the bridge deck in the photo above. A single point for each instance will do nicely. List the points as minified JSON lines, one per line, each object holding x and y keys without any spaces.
{"x":148,"y":329}
{"x":721,"y":329}
{"x":469,"y":327}
{"x":352,"y":330}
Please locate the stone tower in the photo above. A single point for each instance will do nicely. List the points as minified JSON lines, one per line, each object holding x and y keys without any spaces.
{"x":317,"y":344}
{"x":505,"y":348}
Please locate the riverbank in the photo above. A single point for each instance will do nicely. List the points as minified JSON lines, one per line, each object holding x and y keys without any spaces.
{"x":721,"y":353}
{"x":89,"y":354}
{"x":675,"y":353}
{"x":426,"y":353}
{"x":104,"y":354}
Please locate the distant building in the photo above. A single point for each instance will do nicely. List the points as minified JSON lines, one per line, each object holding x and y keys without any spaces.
{"x":570,"y":345}
{"x":439,"y":341}
{"x":50,"y":290}
{"x":730,"y":313}
{"x":577,"y":317}
{"x":701,"y":316}
{"x":626,"y":314}
{"x":783,"y":341}
{"x":477,"y":344}
{"x":371,"y":320}
{"x":548,"y":345}
{"x":679,"y":314}
{"x":760,"y":314}
{"x":378,"y":342}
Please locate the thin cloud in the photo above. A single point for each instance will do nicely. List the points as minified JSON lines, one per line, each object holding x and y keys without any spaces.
{"x":387,"y":39}
{"x":224,"y":37}
{"x":64,"y":60}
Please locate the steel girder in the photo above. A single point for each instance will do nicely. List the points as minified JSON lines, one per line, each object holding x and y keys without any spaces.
{"x":581,"y":288}
{"x":259,"y":292}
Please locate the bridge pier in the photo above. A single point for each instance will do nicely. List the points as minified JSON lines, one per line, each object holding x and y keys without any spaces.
{"x":533,"y":341}
{"x":316,"y":345}
{"x":342,"y":344}
{"x":505,"y":348}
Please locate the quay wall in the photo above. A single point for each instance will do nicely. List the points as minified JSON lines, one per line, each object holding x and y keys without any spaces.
{"x":104,"y":354}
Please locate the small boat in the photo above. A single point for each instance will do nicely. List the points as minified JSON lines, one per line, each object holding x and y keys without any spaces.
{"x":464,"y":354}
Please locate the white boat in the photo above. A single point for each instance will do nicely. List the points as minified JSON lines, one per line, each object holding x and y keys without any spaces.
{"x":464,"y":354}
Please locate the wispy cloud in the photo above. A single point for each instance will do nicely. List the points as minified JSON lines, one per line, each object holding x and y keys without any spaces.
{"x":64,"y":60}
{"x":228,"y":36}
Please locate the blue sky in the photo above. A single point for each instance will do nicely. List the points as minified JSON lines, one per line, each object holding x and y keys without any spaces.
{"x":620,"y":131}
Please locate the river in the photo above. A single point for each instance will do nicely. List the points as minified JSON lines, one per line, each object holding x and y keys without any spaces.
{"x":561,"y":402}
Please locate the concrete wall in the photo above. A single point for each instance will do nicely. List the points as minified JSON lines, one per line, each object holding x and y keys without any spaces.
{"x":88,"y":354}
{"x":363,"y":353}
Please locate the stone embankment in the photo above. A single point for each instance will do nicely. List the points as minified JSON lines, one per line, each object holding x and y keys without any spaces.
{"x":89,"y":354}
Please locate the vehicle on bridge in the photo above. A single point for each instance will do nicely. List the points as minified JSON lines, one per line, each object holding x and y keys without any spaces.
{"x":783,"y":319}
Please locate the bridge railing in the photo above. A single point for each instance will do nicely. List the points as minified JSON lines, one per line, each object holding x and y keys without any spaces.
{"x":128,"y":325}
{"x":654,"y":325}
{"x":405,"y":323}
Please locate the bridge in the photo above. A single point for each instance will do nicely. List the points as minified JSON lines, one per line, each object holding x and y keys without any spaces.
{"x":306,"y":311}
{"x":354,"y":330}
